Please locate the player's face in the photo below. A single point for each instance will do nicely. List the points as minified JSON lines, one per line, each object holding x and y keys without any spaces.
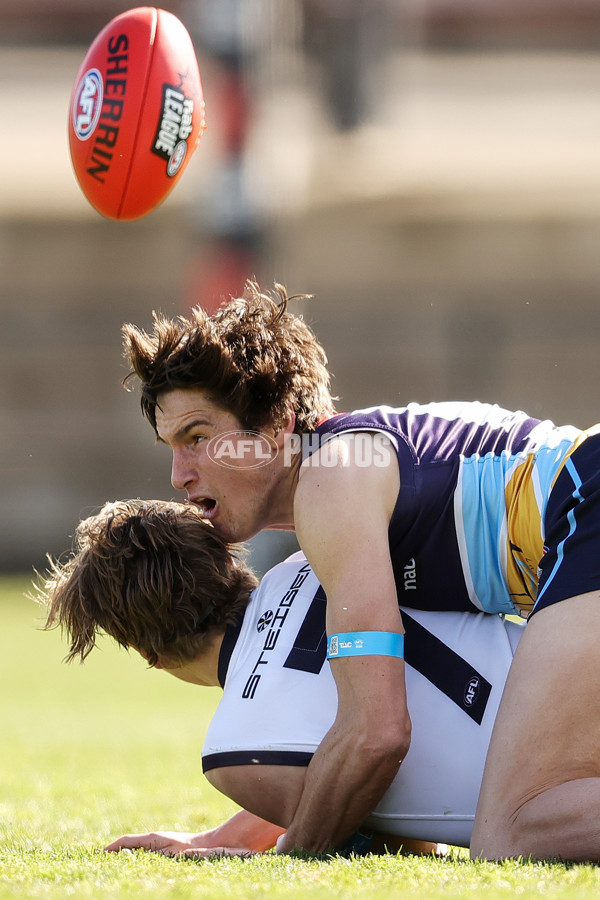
{"x":236,"y":478}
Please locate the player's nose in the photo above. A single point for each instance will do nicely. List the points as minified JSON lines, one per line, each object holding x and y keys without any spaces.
{"x":182,"y":473}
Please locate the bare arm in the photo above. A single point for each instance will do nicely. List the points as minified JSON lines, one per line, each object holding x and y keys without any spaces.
{"x":273,"y":792}
{"x":240,"y":835}
{"x":342,"y":514}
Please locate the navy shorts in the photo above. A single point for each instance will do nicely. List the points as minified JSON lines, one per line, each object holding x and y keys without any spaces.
{"x":571,"y":562}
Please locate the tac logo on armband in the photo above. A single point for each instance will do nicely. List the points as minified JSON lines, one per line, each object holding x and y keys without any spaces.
{"x":365,"y":643}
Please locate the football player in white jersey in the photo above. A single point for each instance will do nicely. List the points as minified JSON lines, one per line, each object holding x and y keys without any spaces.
{"x":157,"y":578}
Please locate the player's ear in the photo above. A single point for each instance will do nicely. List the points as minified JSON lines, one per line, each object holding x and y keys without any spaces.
{"x":157,"y":664}
{"x":287,"y":428}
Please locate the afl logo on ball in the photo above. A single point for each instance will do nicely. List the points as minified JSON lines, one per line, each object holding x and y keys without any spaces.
{"x":177,"y":158}
{"x":471,"y":691}
{"x":87,"y":104}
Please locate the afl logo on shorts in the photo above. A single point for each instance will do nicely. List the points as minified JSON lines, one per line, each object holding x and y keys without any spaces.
{"x":471,"y":691}
{"x":87,"y":104}
{"x":264,"y":621}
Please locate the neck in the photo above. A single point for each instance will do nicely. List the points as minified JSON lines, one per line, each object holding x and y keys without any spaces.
{"x":291,"y":473}
{"x":204,"y":669}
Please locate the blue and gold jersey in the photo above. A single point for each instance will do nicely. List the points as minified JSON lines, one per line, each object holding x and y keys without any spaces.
{"x":467,"y":530}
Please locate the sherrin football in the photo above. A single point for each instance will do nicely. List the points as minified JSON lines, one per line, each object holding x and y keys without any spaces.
{"x":137,"y":112}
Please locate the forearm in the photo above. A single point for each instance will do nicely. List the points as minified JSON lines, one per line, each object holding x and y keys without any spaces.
{"x":347,"y":545}
{"x":344,"y":783}
{"x":242,"y":830}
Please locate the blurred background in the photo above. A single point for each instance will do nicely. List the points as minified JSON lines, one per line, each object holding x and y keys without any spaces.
{"x":428,"y":169}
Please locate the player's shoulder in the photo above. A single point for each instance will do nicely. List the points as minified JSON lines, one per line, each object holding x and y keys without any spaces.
{"x":274,"y":616}
{"x":294,"y":570}
{"x":295,"y":561}
{"x":470,"y":410}
{"x":299,"y":557}
{"x":418,"y":424}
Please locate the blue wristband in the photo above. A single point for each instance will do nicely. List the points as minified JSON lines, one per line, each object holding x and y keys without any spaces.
{"x":365,"y":643}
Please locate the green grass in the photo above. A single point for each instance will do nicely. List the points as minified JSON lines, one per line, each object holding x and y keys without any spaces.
{"x":91,"y":752}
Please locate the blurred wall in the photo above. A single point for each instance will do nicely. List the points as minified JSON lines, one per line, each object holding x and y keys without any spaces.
{"x":437,"y":189}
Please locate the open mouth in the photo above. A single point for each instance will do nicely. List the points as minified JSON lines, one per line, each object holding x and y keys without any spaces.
{"x":206,"y":505}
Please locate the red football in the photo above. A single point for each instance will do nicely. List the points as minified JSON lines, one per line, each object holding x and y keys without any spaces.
{"x":137,"y":112}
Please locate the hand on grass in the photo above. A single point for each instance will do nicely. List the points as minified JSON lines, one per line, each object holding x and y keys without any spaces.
{"x":174,"y":843}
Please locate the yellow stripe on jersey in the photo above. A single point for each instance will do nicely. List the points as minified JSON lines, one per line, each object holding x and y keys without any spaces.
{"x":524,"y":536}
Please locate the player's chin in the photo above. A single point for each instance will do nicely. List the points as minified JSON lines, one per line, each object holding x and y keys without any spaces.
{"x":233,"y":532}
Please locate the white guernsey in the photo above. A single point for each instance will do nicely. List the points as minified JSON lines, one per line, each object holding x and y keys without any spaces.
{"x":280,"y":700}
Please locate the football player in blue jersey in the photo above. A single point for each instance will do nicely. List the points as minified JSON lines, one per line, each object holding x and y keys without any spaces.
{"x":156,"y":577}
{"x":461,"y":506}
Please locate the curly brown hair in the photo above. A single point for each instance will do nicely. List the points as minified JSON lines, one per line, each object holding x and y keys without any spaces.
{"x":153,"y":575}
{"x":253,"y":357}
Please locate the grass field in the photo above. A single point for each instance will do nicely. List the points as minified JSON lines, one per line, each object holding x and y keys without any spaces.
{"x":92,"y":752}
